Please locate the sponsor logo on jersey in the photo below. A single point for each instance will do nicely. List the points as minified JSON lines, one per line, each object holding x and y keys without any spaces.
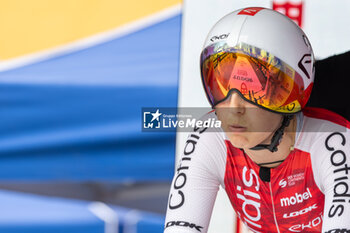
{"x":336,"y":142}
{"x":305,"y":227}
{"x":343,"y":230}
{"x":251,"y":198}
{"x":296,"y":198}
{"x":282,"y":183}
{"x":183,"y":224}
{"x":300,"y":212}
{"x":177,"y":196}
{"x":291,"y":180}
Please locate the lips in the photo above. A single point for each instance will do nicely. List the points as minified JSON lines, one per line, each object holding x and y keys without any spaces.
{"x":237,"y":128}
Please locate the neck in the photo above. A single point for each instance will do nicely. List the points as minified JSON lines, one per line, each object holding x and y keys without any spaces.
{"x":273,"y":159}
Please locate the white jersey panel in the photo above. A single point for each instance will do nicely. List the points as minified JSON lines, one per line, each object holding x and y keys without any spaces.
{"x":200,"y":171}
{"x":329,"y":146}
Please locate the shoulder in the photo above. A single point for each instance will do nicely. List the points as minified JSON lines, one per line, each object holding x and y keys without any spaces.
{"x":330,"y":156}
{"x":316,"y":125}
{"x":208,"y":133}
{"x":205,"y":148}
{"x":326,"y":118}
{"x":326,"y":136}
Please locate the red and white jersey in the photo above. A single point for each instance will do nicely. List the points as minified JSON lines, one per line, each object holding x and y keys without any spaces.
{"x":308,"y":192}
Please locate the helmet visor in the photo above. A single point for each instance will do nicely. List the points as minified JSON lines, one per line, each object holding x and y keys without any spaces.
{"x":257,"y":75}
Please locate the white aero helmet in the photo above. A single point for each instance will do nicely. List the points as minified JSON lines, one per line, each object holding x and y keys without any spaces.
{"x":261,"y":54}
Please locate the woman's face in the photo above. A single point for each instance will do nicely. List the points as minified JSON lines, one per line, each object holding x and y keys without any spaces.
{"x":245,"y":124}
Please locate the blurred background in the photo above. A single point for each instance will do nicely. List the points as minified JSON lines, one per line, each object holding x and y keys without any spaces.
{"x":74,"y":76}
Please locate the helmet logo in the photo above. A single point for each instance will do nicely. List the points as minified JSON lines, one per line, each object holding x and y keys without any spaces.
{"x":307,"y":42}
{"x":290,"y":107}
{"x":305,"y":60}
{"x":221,"y":37}
{"x":250,"y":11}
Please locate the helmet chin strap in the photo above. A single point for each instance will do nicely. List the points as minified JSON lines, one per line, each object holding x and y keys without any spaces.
{"x":276,"y":138}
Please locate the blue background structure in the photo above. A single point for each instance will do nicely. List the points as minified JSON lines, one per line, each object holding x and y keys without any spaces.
{"x":78,"y":116}
{"x":31,"y":213}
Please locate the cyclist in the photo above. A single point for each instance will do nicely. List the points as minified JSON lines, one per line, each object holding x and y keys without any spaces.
{"x":284,"y":167}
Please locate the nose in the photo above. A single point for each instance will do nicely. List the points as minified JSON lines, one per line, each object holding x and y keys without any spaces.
{"x":235,"y":103}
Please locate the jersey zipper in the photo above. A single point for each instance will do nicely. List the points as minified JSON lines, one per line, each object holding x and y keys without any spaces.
{"x":273,"y":208}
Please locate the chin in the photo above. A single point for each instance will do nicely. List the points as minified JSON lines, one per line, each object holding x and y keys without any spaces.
{"x":238,"y":141}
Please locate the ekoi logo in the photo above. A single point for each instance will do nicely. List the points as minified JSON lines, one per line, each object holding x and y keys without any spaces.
{"x":251,"y":198}
{"x":220,"y":37}
{"x":306,"y":227}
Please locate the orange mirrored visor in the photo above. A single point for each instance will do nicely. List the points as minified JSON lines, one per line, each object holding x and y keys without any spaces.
{"x":257,"y":75}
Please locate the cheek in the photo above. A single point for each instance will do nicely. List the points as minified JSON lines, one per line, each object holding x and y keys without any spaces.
{"x":221,"y":115}
{"x":262,"y":123}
